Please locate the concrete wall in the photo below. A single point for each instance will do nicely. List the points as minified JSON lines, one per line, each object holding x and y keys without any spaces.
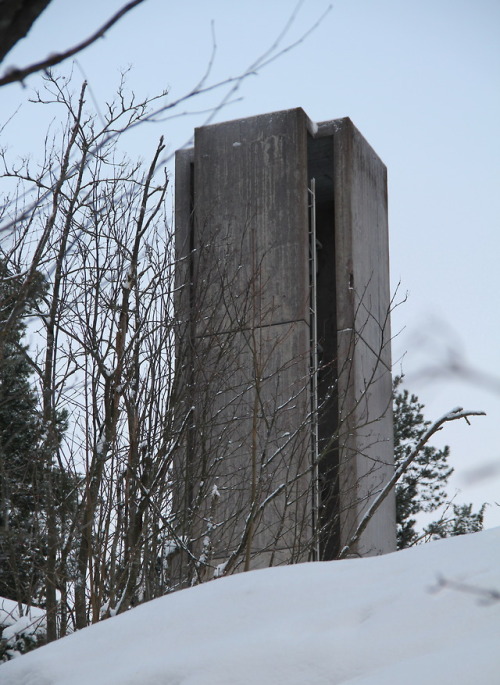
{"x":363,"y":333}
{"x":242,"y":232}
{"x":249,"y":312}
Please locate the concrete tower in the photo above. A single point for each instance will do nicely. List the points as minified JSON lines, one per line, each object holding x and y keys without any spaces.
{"x":284,"y":348}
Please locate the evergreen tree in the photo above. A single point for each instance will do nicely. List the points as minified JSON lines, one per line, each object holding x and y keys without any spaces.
{"x":23,"y":464}
{"x":422,"y":489}
{"x":20,"y":435}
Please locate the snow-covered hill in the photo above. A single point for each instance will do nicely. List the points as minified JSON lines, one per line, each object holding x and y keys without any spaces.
{"x":426,"y":615}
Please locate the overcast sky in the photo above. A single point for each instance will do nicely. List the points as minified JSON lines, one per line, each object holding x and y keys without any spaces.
{"x":420,"y":80}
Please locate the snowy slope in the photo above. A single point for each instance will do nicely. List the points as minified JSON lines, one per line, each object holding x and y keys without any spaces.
{"x":363,"y":622}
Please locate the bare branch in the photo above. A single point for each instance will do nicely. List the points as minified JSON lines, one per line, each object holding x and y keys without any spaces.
{"x":18,"y":16}
{"x":453,"y":415}
{"x":14,"y":75}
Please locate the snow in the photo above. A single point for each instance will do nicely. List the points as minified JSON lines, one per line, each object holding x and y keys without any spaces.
{"x":417,"y":616}
{"x":9,"y":616}
{"x":29,"y":623}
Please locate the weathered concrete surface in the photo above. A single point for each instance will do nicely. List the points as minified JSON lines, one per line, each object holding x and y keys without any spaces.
{"x":243,"y":299}
{"x":364,"y":334}
{"x":250,"y":184}
{"x":246,"y":248}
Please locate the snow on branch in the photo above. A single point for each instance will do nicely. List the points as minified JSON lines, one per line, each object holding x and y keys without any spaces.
{"x":453,"y":415}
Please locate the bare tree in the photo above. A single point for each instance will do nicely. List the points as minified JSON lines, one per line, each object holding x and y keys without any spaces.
{"x":104,"y":354}
{"x":93,"y":226}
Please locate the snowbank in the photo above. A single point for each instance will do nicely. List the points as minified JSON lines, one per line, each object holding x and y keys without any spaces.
{"x":422,"y":615}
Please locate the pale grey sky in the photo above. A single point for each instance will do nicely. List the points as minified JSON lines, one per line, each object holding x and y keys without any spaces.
{"x":421,"y":82}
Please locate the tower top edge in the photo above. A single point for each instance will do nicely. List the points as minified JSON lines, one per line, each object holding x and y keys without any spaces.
{"x":260,"y":119}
